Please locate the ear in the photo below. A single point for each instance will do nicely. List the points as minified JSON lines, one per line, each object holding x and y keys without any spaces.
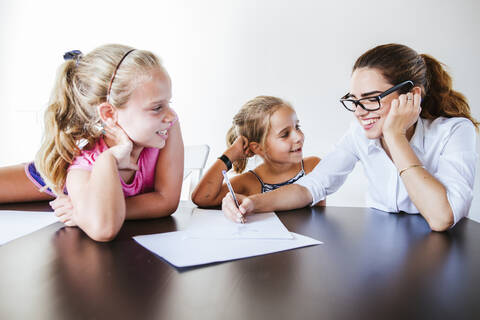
{"x":256,"y":148}
{"x":107,"y":113}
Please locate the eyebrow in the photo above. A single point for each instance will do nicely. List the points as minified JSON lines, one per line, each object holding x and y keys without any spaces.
{"x":366,"y":94}
{"x":370,"y":93}
{"x":155,"y":102}
{"x":287,"y":128}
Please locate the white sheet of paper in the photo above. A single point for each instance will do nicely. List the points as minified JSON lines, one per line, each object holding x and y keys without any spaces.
{"x":212,"y":224}
{"x":15,"y":224}
{"x":181,"y":251}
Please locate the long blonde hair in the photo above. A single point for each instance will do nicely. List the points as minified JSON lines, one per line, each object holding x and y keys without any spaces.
{"x":253,"y":122}
{"x":71,"y":116}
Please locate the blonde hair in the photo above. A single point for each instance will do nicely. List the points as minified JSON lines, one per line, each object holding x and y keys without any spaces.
{"x":71,"y":116}
{"x":253,"y":122}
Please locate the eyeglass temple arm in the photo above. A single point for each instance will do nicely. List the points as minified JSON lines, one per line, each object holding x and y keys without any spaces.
{"x":395,"y":88}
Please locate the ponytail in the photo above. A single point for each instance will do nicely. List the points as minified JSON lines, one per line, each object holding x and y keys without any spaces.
{"x":440,"y":99}
{"x":59,"y":144}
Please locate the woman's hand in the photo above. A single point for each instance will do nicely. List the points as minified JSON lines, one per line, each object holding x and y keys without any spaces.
{"x":239,"y":149}
{"x":64,"y":210}
{"x":123,"y":146}
{"x":231,"y":211}
{"x":404,"y":112}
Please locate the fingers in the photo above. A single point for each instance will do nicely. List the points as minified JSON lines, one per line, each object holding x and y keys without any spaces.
{"x":246,"y":152}
{"x":406,"y":104}
{"x":60,"y":201}
{"x":230,"y":209}
{"x":63,"y":209}
{"x":64,"y":215}
{"x":244,"y":204}
{"x":395,"y":105}
{"x":239,"y":149}
{"x":70,"y":223}
{"x":412,"y":105}
{"x":417,"y":99}
{"x":115,"y":132}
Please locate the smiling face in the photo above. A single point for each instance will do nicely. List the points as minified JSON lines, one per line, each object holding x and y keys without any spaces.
{"x":368,"y":82}
{"x":147,"y":116}
{"x":284,"y":141}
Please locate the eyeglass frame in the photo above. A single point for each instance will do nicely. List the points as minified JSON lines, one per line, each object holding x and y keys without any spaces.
{"x":378,"y":98}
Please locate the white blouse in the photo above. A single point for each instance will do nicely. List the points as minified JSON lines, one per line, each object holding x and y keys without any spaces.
{"x":445,"y":146}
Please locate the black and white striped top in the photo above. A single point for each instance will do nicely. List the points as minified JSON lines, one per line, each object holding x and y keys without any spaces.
{"x":269,"y":187}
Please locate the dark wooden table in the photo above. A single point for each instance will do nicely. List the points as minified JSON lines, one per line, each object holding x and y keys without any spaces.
{"x":372,"y":265}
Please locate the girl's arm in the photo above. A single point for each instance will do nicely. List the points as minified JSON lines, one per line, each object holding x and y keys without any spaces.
{"x":96,"y":202}
{"x":15,"y":186}
{"x":97,"y":197}
{"x":210,"y":190}
{"x":163,"y":201}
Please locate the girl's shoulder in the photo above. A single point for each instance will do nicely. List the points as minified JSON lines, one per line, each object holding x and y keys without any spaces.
{"x":246,"y":183}
{"x":88,"y":155}
{"x":310,"y":162}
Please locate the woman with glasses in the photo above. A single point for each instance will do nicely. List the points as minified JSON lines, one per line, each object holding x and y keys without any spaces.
{"x":414,"y":136}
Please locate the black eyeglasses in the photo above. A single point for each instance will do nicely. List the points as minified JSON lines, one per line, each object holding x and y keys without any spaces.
{"x":373,"y":103}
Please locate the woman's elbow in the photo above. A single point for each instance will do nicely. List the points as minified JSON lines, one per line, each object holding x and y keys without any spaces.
{"x":441,"y":223}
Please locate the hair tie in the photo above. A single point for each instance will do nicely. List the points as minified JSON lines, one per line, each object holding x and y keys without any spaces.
{"x":73,"y":55}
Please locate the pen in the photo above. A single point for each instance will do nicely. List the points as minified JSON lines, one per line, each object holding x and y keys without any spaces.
{"x":227,"y":181}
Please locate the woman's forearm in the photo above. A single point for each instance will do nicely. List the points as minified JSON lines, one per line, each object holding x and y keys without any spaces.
{"x":426,"y":192}
{"x":289,"y":197}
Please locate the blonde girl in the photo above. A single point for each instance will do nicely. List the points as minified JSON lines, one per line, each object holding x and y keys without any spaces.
{"x":111,"y":141}
{"x":265,"y":126}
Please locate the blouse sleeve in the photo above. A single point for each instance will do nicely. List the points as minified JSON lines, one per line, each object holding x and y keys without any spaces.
{"x":456,"y":168}
{"x":331,"y":172}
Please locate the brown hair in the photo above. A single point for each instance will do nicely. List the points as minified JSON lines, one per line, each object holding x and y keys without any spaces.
{"x":71,"y":117}
{"x":253,"y":122}
{"x":399,"y":63}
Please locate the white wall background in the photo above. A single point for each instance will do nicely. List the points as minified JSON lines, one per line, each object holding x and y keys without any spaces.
{"x":222,"y":53}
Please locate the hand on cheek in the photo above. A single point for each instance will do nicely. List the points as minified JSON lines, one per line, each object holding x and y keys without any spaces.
{"x":123,"y":145}
{"x":403,"y":113}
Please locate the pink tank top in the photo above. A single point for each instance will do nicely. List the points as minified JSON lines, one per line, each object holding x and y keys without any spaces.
{"x":144,"y":177}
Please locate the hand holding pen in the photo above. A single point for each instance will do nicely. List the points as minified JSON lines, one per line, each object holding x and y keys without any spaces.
{"x":239,"y":216}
